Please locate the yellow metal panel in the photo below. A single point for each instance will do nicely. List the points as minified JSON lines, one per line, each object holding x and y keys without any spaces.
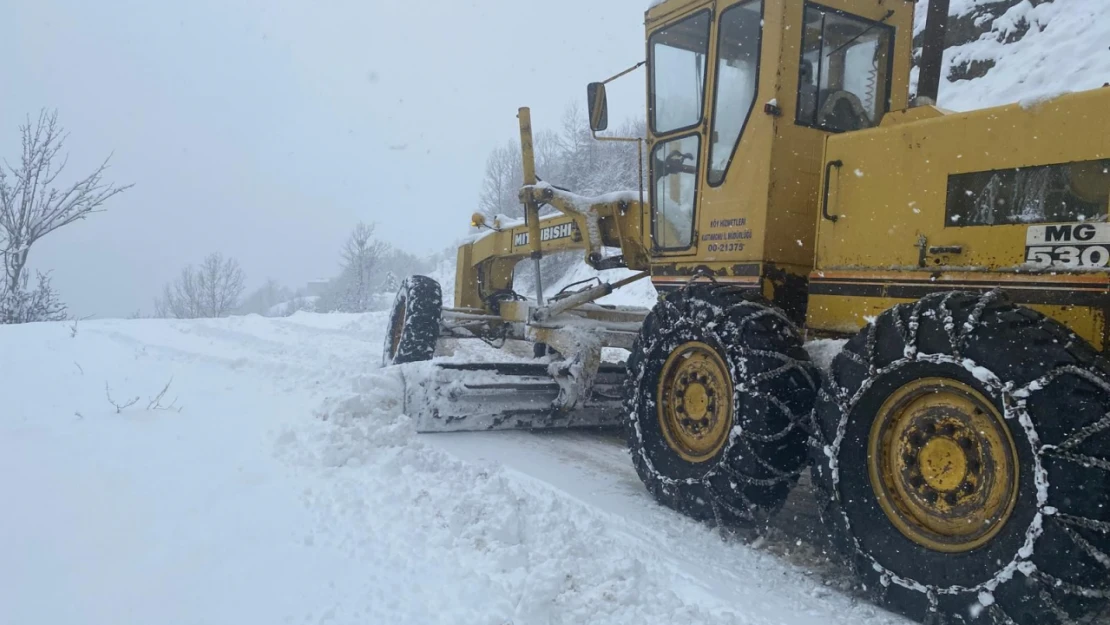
{"x":892,"y":188}
{"x":837,"y":313}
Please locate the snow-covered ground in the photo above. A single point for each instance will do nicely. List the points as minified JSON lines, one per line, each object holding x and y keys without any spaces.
{"x":290,"y":488}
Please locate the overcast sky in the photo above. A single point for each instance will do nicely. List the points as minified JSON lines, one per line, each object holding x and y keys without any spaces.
{"x":265,"y":129}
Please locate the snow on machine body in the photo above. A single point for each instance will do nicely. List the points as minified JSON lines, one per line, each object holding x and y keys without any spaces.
{"x":960,"y":442}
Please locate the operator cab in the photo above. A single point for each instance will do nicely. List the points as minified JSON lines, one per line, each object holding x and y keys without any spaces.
{"x":741,"y":96}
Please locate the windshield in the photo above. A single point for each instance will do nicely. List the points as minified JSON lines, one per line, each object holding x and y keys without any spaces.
{"x":678,"y":54}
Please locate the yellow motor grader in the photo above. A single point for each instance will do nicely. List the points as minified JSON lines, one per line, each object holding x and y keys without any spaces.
{"x":959,"y":443}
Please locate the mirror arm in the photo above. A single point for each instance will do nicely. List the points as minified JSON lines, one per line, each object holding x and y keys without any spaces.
{"x":627,"y":71}
{"x":639,"y":141}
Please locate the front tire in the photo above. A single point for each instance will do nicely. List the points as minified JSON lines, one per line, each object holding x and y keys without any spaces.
{"x":718,"y":390}
{"x":962,"y":456}
{"x":413,"y":327}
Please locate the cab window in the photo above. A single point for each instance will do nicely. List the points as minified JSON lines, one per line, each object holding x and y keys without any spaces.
{"x":738,"y":40}
{"x":844,"y":77}
{"x":678,"y":54}
{"x":1069,"y":192}
{"x":674,"y":169}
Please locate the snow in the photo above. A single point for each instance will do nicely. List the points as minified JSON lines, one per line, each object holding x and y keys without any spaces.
{"x":290,"y":488}
{"x":822,"y":351}
{"x":1064,"y":50}
{"x":283,"y":309}
{"x":639,"y":294}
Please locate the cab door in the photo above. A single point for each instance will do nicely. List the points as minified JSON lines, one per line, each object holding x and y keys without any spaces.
{"x":703,"y":84}
{"x":677,"y":90}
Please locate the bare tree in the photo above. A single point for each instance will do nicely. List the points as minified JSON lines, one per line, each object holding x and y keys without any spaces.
{"x":505,"y":173}
{"x":499,"y":188}
{"x":570,"y":158}
{"x":365,"y":259}
{"x":31,"y":207}
{"x":211,"y":290}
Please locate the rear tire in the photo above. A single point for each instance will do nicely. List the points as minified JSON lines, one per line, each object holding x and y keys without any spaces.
{"x":413,"y":328}
{"x":1042,"y":562}
{"x":752,"y":447}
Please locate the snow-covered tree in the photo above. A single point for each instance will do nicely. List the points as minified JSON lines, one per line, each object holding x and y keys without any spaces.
{"x":211,"y":290}
{"x":31,"y":207}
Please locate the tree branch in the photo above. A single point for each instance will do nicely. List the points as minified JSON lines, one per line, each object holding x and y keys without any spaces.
{"x":119,"y":407}
{"x":31,"y":207}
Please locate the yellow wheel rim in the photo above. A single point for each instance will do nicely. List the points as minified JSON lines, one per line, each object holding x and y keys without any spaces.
{"x":694,"y":402}
{"x":943,"y":465}
{"x":397,"y":328}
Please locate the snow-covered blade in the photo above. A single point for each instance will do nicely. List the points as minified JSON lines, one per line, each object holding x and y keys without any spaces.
{"x":458,"y":397}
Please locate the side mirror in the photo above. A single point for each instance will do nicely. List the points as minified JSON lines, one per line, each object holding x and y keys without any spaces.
{"x":598,"y":106}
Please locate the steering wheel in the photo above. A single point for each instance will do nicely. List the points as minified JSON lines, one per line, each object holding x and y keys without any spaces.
{"x":843,"y":110}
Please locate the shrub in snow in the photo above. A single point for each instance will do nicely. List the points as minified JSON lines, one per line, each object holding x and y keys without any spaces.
{"x":24,"y":305}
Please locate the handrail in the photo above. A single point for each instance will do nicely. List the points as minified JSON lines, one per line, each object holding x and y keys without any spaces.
{"x":825,"y":198}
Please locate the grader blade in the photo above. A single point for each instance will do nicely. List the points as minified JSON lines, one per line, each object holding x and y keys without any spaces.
{"x":461,"y":397}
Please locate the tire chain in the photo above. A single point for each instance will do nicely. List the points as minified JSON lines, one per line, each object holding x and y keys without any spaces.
{"x":831,"y":391}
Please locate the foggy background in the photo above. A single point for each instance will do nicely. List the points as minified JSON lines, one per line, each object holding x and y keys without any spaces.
{"x":266,"y":129}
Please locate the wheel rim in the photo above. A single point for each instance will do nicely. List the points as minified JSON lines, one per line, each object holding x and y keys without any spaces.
{"x":943,"y":465}
{"x":396,"y":329}
{"x":694,"y":402}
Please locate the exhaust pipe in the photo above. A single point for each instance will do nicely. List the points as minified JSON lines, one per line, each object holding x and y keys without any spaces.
{"x":932,"y":51}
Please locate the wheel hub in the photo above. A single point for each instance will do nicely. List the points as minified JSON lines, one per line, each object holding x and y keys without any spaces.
{"x":943,"y":464}
{"x":695,"y":402}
